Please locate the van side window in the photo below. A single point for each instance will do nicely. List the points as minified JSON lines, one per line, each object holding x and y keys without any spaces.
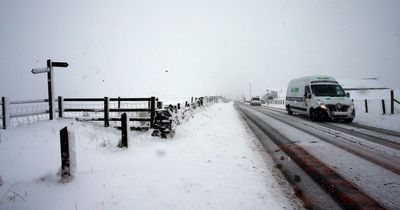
{"x":307,"y":91}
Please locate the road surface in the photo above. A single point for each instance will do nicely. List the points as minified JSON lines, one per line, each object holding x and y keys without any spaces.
{"x":329,"y":164}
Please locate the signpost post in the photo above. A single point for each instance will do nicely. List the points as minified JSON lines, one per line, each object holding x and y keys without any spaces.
{"x":50,"y":84}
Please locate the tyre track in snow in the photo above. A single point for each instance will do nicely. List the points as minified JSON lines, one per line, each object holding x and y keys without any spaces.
{"x":378,"y":139}
{"x":365,"y":151}
{"x":344,"y":192}
{"x":312,"y":195}
{"x":381,"y":136}
{"x":379,"y":130}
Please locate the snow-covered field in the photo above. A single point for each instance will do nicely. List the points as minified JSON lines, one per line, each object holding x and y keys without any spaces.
{"x":213,"y":162}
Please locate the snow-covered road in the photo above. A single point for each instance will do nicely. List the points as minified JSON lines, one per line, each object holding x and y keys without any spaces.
{"x":369,"y":159}
{"x":213,"y":162}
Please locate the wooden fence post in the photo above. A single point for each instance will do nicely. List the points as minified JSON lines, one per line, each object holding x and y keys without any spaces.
{"x":6,"y":112}
{"x":106,"y":112}
{"x":68,"y":159}
{"x":60,"y":106}
{"x":391,"y":102}
{"x":366,"y":105}
{"x":383,"y":107}
{"x":119,"y":102}
{"x":124,"y":130}
{"x":152,"y":111}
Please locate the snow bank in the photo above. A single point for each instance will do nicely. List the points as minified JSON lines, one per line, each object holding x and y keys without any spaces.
{"x":213,"y":162}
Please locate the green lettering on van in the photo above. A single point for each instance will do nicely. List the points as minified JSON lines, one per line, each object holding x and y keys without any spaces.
{"x":294,"y":90}
{"x":323,"y":78}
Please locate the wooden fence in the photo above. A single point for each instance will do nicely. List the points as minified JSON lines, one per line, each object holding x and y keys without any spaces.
{"x":107,"y":109}
{"x":8,"y":109}
{"x":370,"y":105}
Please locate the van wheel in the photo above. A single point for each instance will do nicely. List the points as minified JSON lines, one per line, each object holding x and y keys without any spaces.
{"x":348,"y":120}
{"x":289,"y":111}
{"x":313,"y":115}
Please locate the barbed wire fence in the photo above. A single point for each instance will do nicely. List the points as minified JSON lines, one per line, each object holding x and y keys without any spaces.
{"x":21,"y":114}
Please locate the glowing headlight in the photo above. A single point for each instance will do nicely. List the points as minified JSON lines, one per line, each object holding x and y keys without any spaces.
{"x":351,"y":106}
{"x":321,"y":104}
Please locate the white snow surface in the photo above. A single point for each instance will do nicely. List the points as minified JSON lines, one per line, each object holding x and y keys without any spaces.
{"x":213,"y":162}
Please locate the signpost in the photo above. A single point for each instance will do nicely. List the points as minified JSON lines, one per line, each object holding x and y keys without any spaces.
{"x":50,"y":84}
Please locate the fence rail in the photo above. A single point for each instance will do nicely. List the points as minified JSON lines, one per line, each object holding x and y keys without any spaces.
{"x":83,"y":99}
{"x":30,"y":101}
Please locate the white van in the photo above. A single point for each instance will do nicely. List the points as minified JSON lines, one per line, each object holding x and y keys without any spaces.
{"x":319,"y":97}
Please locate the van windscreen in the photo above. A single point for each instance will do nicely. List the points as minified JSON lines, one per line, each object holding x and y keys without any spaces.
{"x":328,"y":90}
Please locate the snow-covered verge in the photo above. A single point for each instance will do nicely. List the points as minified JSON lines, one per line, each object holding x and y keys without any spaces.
{"x":388,"y":121}
{"x":212,"y":162}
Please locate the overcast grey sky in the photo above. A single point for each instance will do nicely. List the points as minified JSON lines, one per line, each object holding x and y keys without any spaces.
{"x":208,"y":47}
